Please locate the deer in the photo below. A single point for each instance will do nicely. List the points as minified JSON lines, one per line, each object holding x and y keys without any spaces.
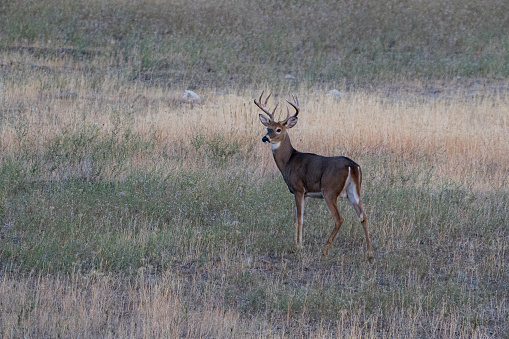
{"x":309,"y":175}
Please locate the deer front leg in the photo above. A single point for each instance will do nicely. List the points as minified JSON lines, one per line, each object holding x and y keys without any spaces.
{"x":299,"y":217}
{"x":331,"y":201}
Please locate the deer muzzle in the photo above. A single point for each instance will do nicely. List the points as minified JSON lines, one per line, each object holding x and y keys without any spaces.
{"x":265,"y":139}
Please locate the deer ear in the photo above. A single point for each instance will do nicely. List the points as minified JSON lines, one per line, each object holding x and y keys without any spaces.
{"x":292,"y":121}
{"x":264,"y":120}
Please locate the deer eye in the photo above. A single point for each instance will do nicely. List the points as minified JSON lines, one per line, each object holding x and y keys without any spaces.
{"x":278,"y":130}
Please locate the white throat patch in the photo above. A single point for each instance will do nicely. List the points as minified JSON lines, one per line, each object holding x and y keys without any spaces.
{"x":275,"y":145}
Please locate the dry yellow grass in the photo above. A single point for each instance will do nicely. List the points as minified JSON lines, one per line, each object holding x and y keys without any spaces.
{"x":98,"y":306}
{"x":464,"y":136}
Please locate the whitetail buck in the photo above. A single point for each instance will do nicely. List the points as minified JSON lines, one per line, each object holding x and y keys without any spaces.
{"x":311,"y":175}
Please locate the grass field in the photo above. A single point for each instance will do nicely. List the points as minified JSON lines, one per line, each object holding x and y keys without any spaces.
{"x":128,"y":211}
{"x":240,"y":43}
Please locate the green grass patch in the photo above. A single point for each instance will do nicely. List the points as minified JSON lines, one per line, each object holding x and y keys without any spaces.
{"x":316,"y":42}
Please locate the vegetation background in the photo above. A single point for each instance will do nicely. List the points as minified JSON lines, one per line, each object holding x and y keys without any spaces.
{"x":127,"y":210}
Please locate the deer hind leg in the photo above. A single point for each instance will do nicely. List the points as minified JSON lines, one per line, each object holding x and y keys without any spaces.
{"x":353,"y":196}
{"x":299,"y":217}
{"x":338,"y":220}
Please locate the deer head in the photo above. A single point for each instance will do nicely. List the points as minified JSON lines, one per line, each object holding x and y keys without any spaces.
{"x":276,"y":130}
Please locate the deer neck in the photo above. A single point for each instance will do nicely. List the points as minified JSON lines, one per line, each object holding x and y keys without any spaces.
{"x":282,"y":152}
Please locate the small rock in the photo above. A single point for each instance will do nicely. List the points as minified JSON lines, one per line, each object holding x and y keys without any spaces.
{"x":189,"y":95}
{"x":289,"y":77}
{"x":335,"y":93}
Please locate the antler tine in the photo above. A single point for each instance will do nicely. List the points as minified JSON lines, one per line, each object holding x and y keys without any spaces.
{"x":295,"y":99}
{"x":274,"y":111}
{"x":294,"y":104}
{"x":263,"y":108}
{"x":287,"y":115}
{"x":267,"y":99}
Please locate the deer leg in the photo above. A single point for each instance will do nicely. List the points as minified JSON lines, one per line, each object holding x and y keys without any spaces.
{"x":362,"y":217}
{"x":338,"y":220}
{"x":299,"y":217}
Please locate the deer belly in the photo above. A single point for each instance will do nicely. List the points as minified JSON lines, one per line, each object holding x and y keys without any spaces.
{"x":317,"y":195}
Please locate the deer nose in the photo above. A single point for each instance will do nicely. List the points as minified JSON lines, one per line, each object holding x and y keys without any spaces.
{"x":265,"y":139}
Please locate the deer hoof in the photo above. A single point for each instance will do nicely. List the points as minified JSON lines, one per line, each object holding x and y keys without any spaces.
{"x":370,"y":256}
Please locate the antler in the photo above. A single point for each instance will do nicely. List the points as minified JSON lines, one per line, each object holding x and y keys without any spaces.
{"x":295,"y":105}
{"x":263,"y":108}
